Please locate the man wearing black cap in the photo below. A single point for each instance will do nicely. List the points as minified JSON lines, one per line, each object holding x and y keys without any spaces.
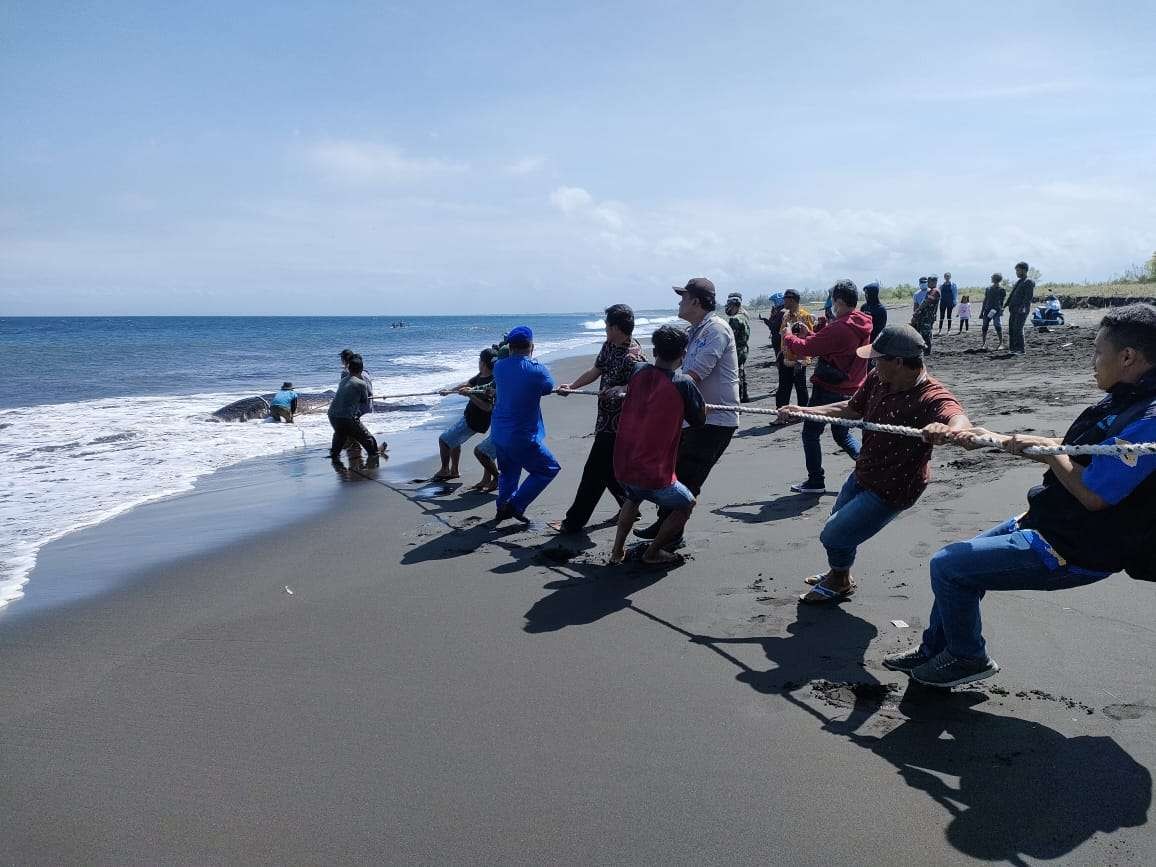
{"x":891,"y":471}
{"x":516,"y":427}
{"x":713,"y":363}
{"x":1019,"y":304}
{"x":283,"y":406}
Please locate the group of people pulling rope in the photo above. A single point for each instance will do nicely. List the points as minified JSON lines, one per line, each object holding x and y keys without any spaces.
{"x":661,"y":426}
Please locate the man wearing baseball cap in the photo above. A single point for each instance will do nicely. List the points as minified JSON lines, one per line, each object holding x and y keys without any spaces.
{"x":891,"y":471}
{"x":516,"y":427}
{"x":712,"y":362}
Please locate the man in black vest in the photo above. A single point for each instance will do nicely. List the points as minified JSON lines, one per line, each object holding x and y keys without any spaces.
{"x":1090,"y":516}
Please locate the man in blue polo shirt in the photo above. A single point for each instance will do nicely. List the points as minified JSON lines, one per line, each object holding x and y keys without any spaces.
{"x":1088,"y":518}
{"x":517,"y":429}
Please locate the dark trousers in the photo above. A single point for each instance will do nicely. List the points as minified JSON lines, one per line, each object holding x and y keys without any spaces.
{"x":698,"y":452}
{"x":350,"y":429}
{"x":992,"y":319}
{"x":1015,"y":329}
{"x":965,"y":325}
{"x":813,"y":430}
{"x":597,"y":477}
{"x":791,"y":376}
{"x":945,"y":309}
{"x":743,"y":396}
{"x":925,"y":333}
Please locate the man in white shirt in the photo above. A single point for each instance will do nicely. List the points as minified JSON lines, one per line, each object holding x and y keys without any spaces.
{"x":712,"y":361}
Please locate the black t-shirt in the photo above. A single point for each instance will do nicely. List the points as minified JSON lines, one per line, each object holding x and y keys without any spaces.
{"x":476,"y":417}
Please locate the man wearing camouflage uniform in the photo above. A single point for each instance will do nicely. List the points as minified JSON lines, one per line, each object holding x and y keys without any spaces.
{"x":740,"y":324}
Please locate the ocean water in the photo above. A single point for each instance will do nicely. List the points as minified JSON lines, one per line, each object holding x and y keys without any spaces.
{"x":99,"y":415}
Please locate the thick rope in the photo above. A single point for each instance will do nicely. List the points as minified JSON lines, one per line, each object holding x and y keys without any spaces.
{"x":1127,"y":452}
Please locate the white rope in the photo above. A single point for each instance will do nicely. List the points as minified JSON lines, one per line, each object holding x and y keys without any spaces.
{"x":1128,"y":452}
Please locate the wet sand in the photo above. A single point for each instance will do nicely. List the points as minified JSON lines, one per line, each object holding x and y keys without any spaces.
{"x":435,"y":691}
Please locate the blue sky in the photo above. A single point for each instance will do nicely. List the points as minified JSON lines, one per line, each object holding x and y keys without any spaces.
{"x":378,"y":158}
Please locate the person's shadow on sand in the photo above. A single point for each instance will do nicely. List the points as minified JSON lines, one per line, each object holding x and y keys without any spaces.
{"x":789,"y":506}
{"x":829,"y":643}
{"x":1024,"y":790}
{"x":587,"y":598}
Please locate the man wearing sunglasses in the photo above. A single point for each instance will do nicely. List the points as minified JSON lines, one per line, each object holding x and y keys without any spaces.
{"x":892,"y":471}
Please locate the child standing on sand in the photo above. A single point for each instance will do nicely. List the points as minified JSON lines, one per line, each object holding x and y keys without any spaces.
{"x":964,"y":314}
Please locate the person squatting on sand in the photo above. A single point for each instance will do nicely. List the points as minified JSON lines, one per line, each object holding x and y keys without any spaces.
{"x":991,"y":312}
{"x":740,"y":324}
{"x":475,"y":420}
{"x":615,"y":362}
{"x":712,"y":362}
{"x":658,"y":401}
{"x":792,"y":370}
{"x":1088,"y":518}
{"x":283,"y":406}
{"x":517,"y":429}
{"x":345,"y":412}
{"x":839,"y":373}
{"x":891,"y":471}
{"x":1019,"y":305}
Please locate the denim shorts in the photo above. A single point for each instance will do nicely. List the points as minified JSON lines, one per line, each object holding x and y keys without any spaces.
{"x":486,"y":447}
{"x":457,"y":435}
{"x":673,"y":497}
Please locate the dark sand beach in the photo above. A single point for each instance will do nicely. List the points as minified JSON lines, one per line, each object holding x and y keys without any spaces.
{"x":435,"y":691}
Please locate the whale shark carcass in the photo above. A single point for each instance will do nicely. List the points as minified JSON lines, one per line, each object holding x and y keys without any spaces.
{"x":257,"y":406}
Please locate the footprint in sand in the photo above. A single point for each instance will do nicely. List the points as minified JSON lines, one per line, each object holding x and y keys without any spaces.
{"x":1128,"y":711}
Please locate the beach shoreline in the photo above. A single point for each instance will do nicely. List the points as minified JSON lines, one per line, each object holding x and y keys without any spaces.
{"x":435,"y":690}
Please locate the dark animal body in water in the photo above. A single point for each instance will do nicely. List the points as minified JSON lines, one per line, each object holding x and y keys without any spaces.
{"x":257,"y":407}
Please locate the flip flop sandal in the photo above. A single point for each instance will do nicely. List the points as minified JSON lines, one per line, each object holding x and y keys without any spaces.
{"x":662,"y":564}
{"x":820,"y":595}
{"x":814,"y":579}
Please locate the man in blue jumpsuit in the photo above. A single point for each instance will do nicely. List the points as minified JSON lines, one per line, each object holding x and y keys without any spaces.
{"x":516,"y":427}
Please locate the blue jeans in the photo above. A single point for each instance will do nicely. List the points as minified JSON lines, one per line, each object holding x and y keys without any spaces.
{"x":812,"y":430}
{"x":1000,"y":559}
{"x":857,"y":516}
{"x":536,"y":460}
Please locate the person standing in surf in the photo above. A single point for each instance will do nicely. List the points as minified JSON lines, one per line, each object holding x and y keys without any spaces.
{"x":345,"y":413}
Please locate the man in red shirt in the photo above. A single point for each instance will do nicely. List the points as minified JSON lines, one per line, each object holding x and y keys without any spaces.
{"x":658,"y":400}
{"x":838,"y":374}
{"x":891,"y":471}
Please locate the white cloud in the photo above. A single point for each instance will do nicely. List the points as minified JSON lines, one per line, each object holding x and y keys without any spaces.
{"x":570,"y":200}
{"x":575,"y":201}
{"x":368,"y":162}
{"x":526,"y":166}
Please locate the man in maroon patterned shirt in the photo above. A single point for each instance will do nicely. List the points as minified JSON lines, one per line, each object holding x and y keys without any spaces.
{"x":891,"y":471}
{"x":616,"y":361}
